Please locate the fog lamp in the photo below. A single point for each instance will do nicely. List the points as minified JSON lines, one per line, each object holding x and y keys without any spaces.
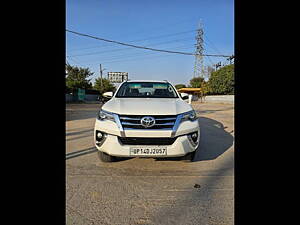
{"x":193,"y":138}
{"x":100,"y":137}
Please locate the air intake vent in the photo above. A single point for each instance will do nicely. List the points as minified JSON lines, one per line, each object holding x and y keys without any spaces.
{"x":146,"y":141}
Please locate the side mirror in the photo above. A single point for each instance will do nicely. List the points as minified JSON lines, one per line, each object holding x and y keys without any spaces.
{"x":108,"y":94}
{"x":184,"y":96}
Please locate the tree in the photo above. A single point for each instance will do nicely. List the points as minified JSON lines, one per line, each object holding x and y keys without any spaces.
{"x":196,"y":82}
{"x":178,"y":86}
{"x":210,"y":69}
{"x":107,"y":85}
{"x":222,"y":80}
{"x":76,"y":77}
{"x":205,"y":88}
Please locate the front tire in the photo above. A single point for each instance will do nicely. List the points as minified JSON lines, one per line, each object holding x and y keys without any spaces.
{"x":190,"y":156}
{"x":105,"y":157}
{"x":193,"y":154}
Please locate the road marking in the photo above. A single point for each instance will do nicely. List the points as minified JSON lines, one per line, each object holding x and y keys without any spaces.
{"x":80,"y":153}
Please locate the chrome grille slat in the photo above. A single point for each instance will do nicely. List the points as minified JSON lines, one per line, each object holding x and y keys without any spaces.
{"x":128,"y":118}
{"x":165,"y":124}
{"x":127,"y":123}
{"x":171,"y":118}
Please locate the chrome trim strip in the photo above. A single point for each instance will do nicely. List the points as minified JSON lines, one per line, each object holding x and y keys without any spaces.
{"x":127,"y":118}
{"x":177,"y":122}
{"x":118,"y":122}
{"x":127,"y":123}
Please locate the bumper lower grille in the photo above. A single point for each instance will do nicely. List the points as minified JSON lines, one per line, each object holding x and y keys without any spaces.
{"x":134,"y":122}
{"x":146,"y":141}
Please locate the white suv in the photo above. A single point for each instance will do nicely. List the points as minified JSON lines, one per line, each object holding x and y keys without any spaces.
{"x":146,"y":119}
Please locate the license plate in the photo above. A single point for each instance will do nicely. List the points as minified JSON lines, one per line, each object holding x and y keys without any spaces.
{"x":147,"y":151}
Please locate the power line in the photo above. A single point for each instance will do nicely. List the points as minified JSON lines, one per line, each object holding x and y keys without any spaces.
{"x":213,"y":46}
{"x":116,"y":57}
{"x":209,"y":47}
{"x":145,"y":39}
{"x":73,"y":60}
{"x":141,"y":47}
{"x":210,"y":60}
{"x":139,"y":58}
{"x":128,"y":59}
{"x":124,"y":57}
{"x":121,"y":49}
{"x":147,"y":29}
{"x":131,"y":59}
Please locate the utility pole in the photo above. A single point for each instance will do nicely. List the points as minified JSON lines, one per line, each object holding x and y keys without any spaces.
{"x":101,"y":73}
{"x":101,"y":84}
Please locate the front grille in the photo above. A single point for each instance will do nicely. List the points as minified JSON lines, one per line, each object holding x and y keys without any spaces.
{"x":146,"y":141}
{"x":134,"y":122}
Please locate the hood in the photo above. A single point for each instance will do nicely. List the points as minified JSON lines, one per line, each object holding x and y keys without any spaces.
{"x":147,"y":106}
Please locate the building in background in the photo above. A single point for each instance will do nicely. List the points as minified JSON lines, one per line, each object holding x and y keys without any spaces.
{"x":117,"y":77}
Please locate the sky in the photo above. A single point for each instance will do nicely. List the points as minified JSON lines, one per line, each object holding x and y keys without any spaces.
{"x":162,"y":24}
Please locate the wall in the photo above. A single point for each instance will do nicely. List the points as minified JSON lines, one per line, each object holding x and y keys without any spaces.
{"x":70,"y":98}
{"x":220,"y":98}
{"x":91,"y":97}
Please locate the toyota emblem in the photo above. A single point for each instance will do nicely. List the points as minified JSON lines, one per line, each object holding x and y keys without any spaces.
{"x":148,"y":121}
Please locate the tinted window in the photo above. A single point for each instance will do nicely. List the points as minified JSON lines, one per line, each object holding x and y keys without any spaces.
{"x":146,"y":90}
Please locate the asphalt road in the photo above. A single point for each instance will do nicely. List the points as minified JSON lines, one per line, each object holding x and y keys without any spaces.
{"x":151,"y":191}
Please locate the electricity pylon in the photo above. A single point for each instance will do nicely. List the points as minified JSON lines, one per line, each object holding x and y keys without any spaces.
{"x":199,"y":68}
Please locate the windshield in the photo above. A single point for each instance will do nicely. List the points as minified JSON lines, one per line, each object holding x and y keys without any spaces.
{"x":146,"y":90}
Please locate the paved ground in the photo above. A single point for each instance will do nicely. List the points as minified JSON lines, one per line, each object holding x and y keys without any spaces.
{"x":149,"y":191}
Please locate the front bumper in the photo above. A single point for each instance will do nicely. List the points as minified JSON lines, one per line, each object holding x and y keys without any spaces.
{"x":112,"y":146}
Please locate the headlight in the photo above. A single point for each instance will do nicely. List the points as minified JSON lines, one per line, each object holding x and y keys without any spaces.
{"x":104,"y":115}
{"x":191,"y":115}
